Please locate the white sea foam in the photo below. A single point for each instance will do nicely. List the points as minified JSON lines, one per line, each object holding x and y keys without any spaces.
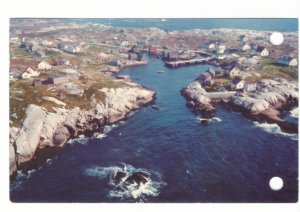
{"x":49,"y":161}
{"x":106,"y":130}
{"x":100,"y":135}
{"x":84,"y":140}
{"x":275,"y":129}
{"x":81,"y":140}
{"x":124,"y":190}
{"x":211,"y":120}
{"x":216,"y":119}
{"x":102,"y":172}
{"x":294,"y":113}
{"x":21,"y":177}
{"x":109,"y":128}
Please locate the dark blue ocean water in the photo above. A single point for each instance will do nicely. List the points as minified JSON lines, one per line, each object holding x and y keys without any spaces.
{"x":230,"y":160}
{"x":274,"y":24}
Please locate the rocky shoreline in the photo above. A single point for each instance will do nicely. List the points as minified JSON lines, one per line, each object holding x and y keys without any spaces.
{"x":43,"y":133}
{"x":265,"y":104}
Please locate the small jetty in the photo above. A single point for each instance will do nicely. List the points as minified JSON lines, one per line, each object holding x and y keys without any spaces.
{"x":174,"y":64}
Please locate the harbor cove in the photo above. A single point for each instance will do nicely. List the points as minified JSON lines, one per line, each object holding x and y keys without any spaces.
{"x":112,"y":119}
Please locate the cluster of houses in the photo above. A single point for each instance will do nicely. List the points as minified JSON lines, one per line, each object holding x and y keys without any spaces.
{"x":130,"y":56}
{"x":42,"y":66}
{"x":126,"y":46}
{"x":173,"y":55}
{"x":39,"y":48}
{"x":218,"y":48}
{"x":258,"y":50}
{"x":69,"y":47}
{"x":207,"y":78}
{"x":233,"y":72}
{"x":36,"y":49}
{"x":55,"y":79}
{"x":28,"y":73}
{"x":287,"y":61}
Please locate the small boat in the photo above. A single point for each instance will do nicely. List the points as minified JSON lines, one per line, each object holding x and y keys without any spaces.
{"x":160,"y":72}
{"x":155,"y":107}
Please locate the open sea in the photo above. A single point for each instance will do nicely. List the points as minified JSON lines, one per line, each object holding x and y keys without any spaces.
{"x":269,"y":24}
{"x":231,"y":159}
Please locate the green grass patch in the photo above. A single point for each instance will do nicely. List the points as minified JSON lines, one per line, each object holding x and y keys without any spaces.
{"x":218,"y":83}
{"x":269,"y":69}
{"x":22,"y":93}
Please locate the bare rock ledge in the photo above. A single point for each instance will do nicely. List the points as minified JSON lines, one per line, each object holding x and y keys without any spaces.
{"x":43,"y":130}
{"x":264,"y":104}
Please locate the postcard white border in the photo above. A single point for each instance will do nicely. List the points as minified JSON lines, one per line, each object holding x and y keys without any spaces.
{"x":126,"y":9}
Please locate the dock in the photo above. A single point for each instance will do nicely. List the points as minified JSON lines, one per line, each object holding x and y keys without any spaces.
{"x":174,"y":64}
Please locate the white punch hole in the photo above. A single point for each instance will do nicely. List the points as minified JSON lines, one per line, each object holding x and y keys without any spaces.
{"x":276,"y":38}
{"x":276,"y":183}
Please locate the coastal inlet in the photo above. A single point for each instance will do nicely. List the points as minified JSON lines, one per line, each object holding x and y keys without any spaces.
{"x":231,"y":159}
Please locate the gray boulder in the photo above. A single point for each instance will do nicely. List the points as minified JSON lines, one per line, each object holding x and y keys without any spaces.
{"x":29,"y":135}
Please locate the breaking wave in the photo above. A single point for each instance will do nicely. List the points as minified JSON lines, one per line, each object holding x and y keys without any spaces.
{"x":124,"y":186}
{"x":21,"y":177}
{"x":275,"y":129}
{"x":81,"y":139}
{"x":211,"y":120}
{"x":106,"y":130}
{"x":84,"y":140}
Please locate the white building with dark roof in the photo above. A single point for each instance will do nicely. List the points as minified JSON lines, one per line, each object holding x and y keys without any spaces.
{"x":44,"y":65}
{"x":287,"y":60}
{"x":245,"y":47}
{"x":262,"y":51}
{"x":237,"y":83}
{"x":28,"y":73}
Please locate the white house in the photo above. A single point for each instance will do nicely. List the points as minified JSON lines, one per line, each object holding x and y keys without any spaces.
{"x":44,"y":65}
{"x":28,"y":73}
{"x":212,"y":46}
{"x":221,"y":48}
{"x":262,"y":51}
{"x":245,"y":47}
{"x":237,"y":83}
{"x":233,"y":72}
{"x":243,"y":38}
{"x":47,"y":43}
{"x":14,"y":40}
{"x":125,"y":43}
{"x":287,"y":60}
{"x":22,"y":39}
{"x":221,"y":56}
{"x":72,"y":49}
